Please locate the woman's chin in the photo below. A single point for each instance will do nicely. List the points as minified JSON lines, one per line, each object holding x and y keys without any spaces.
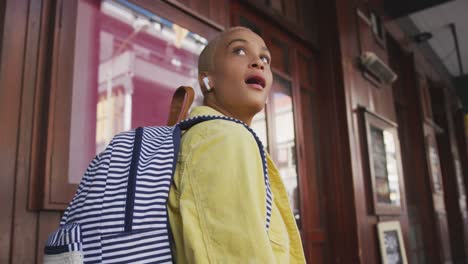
{"x":256,"y":107}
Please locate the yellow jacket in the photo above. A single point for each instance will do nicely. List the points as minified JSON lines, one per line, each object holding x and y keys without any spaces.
{"x":217,"y":203}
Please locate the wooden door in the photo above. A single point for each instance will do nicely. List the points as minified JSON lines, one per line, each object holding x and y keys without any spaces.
{"x":436,"y":173}
{"x":288,"y":128}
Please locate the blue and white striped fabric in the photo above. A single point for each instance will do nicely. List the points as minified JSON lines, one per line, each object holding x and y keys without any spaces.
{"x":119,"y":212}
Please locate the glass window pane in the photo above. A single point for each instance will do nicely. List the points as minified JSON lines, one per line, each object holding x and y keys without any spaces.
{"x":284,"y":152}
{"x":259,"y":125}
{"x":128,"y":63}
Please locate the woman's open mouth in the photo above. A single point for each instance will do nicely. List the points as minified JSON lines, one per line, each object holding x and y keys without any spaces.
{"x":256,"y":82}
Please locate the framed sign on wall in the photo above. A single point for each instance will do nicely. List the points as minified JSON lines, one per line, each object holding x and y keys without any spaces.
{"x":392,"y":246}
{"x":433,"y":162}
{"x":382,"y":163}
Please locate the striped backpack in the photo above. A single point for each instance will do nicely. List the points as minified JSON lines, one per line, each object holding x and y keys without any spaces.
{"x":119,"y":212}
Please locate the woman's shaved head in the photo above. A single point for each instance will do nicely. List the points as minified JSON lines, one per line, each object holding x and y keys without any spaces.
{"x":236,"y":68}
{"x":206,"y":58}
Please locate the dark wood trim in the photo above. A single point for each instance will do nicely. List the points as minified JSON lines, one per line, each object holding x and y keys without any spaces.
{"x":2,"y":22}
{"x":197,"y":15}
{"x":24,"y":221}
{"x":184,"y":16}
{"x":281,"y":22}
{"x":412,"y":130}
{"x":445,"y":143}
{"x":336,"y":168}
{"x":40,"y":111}
{"x":14,"y":35}
{"x":47,"y":223}
{"x":57,"y":191}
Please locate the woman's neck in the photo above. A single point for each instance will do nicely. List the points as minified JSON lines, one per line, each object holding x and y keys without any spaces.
{"x":211,"y":102}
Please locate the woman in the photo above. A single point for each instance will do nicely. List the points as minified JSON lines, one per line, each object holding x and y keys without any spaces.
{"x":218,"y":200}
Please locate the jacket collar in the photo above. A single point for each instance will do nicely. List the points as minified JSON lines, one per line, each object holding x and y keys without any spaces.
{"x":204,"y":110}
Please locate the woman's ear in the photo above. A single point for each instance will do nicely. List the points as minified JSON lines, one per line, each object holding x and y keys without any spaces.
{"x":205,"y":83}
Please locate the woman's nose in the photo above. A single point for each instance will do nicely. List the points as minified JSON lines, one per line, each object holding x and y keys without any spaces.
{"x":258,"y":64}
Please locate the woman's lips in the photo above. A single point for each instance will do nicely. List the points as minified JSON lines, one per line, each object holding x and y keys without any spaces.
{"x":255,"y":86}
{"x":256,"y":82}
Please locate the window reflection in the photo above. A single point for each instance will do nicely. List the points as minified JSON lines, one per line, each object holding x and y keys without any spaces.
{"x":275,"y":128}
{"x":284,"y":151}
{"x":385,"y":166}
{"x":141,"y":58}
{"x":259,"y":125}
{"x":392,"y":168}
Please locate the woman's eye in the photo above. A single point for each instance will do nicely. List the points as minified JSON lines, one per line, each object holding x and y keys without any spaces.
{"x":240,"y":51}
{"x":265,"y":59}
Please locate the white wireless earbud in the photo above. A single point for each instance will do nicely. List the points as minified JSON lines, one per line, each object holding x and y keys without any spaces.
{"x":206,"y":81}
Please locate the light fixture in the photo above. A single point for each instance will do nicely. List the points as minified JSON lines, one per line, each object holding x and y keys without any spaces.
{"x":427,"y":35}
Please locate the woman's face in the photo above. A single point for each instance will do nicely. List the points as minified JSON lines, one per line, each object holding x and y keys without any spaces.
{"x":242,"y":76}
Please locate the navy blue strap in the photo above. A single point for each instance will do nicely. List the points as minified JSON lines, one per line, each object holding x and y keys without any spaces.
{"x":130,"y":200}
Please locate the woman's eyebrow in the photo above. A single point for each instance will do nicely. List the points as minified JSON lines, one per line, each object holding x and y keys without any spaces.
{"x":235,"y":40}
{"x":245,"y":41}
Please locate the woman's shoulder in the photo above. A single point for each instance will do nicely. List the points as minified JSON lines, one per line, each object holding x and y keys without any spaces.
{"x":221,"y":131}
{"x":219,"y":128}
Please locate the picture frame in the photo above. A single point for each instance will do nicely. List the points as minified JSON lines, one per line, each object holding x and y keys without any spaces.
{"x":392,"y":246}
{"x":381,"y":163}
{"x":378,"y":28}
{"x":433,"y":163}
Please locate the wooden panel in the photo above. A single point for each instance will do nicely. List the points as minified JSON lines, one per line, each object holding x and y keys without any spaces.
{"x":25,"y":221}
{"x":335,"y":160}
{"x":366,"y":37}
{"x":425,"y":97}
{"x":219,"y":11}
{"x":212,"y":12}
{"x":17,"y":99}
{"x":185,"y":16}
{"x":11,"y":74}
{"x":57,"y":190}
{"x":277,"y":5}
{"x":352,"y":90}
{"x":2,"y":21}
{"x":298,"y":17}
{"x":451,"y":224}
{"x":424,"y":243}
{"x":313,"y":208}
{"x":315,"y":251}
{"x":307,"y":71}
{"x":368,"y":41}
{"x":47,"y":223}
{"x":281,"y":54}
{"x":290,"y":11}
{"x":40,"y":104}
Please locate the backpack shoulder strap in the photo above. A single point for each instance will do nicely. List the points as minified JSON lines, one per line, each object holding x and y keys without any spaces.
{"x":180,"y":104}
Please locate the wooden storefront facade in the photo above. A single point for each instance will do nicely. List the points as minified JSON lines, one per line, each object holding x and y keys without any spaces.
{"x":315,"y":46}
